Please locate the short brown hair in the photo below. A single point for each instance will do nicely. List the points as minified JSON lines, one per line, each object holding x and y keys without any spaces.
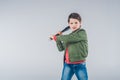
{"x":74,"y":16}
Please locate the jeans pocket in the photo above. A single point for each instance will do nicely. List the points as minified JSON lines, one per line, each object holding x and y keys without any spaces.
{"x":82,"y":65}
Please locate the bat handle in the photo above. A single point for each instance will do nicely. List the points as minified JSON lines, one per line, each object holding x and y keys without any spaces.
{"x":55,"y":35}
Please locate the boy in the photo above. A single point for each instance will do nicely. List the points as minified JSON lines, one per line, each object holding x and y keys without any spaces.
{"x":76,"y":49}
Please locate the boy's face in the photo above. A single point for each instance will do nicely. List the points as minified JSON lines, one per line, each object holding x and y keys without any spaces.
{"x":74,"y":24}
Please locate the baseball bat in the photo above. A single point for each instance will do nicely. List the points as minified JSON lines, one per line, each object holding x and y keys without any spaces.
{"x":65,"y":29}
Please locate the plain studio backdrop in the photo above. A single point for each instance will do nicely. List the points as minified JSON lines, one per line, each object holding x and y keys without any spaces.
{"x":26,"y":53}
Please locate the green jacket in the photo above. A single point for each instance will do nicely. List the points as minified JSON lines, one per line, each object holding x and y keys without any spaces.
{"x":77,"y":45}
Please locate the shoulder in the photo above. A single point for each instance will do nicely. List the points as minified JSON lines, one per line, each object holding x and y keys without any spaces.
{"x":81,"y":29}
{"x":82,"y":32}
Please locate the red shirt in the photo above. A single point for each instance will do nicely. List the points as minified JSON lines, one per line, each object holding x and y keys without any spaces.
{"x":67,"y":60}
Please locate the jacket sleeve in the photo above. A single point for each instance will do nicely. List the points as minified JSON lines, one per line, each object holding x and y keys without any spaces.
{"x":60,"y":45}
{"x":74,"y":37}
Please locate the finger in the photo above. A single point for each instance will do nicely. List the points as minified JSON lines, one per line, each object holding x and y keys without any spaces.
{"x":51,"y":37}
{"x":59,"y":33}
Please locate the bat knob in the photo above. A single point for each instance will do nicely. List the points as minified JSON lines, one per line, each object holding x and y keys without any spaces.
{"x":50,"y":38}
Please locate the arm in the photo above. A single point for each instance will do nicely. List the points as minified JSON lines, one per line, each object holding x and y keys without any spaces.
{"x":58,"y":43}
{"x":60,"y":46}
{"x":73,"y":37}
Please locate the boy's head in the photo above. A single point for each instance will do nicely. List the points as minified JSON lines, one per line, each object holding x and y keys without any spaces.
{"x":74,"y":21}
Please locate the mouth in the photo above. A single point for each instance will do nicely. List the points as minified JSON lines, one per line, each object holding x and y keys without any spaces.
{"x":73,"y":27}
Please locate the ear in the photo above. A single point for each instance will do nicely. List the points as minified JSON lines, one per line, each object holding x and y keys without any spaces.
{"x":81,"y":23}
{"x":68,"y":24}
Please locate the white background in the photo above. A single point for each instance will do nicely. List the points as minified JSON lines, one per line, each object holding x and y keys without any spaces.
{"x":26,"y":53}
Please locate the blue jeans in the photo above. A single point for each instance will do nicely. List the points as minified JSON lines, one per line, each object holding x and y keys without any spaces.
{"x":78,"y":69}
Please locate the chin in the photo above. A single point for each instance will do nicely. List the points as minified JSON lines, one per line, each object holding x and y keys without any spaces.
{"x":74,"y":29}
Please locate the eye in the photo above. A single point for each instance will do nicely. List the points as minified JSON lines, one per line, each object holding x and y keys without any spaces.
{"x":75,"y":22}
{"x":71,"y":23}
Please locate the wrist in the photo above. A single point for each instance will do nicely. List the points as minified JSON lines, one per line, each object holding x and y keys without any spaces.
{"x":54,"y":38}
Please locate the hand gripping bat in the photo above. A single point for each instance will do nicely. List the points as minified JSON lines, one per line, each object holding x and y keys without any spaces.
{"x":65,"y":29}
